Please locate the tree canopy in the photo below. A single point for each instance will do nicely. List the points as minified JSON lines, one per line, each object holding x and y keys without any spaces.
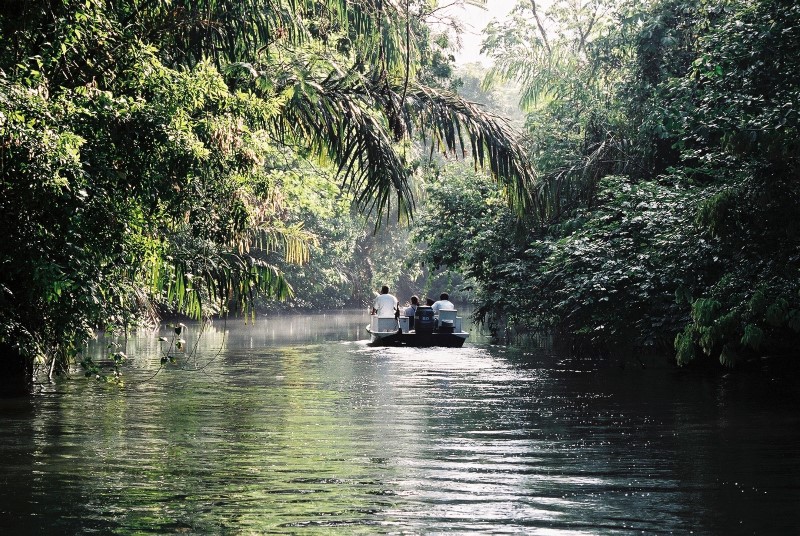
{"x":199,"y":158}
{"x":140,"y":143}
{"x":665,"y":139}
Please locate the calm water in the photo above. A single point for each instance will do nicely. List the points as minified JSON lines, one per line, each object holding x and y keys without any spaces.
{"x":294,"y":425}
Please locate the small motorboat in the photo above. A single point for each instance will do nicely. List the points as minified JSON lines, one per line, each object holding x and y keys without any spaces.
{"x":425,"y":329}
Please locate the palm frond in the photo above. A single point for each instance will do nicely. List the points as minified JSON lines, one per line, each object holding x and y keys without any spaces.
{"x":454,"y":123}
{"x":356,"y":121}
{"x":293,"y":240}
{"x":230,"y":31}
{"x":338,"y":118}
{"x":190,"y":30}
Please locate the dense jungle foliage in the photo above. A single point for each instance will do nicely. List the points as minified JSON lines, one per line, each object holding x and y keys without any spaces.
{"x":181,"y":157}
{"x":200,"y":158}
{"x":665,"y":136}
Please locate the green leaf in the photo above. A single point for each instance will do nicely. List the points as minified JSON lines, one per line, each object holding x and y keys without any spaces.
{"x":728,"y":356}
{"x":753,"y":336}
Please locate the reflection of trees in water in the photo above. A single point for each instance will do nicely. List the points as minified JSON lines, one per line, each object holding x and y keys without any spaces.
{"x":299,"y":434}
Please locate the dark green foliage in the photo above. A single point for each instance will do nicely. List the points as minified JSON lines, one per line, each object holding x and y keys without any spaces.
{"x":138,"y":142}
{"x":113,"y":205}
{"x":468,"y":227}
{"x":739,"y":127}
{"x":668,"y":161}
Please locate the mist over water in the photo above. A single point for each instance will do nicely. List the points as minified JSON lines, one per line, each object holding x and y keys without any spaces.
{"x":295,"y":425}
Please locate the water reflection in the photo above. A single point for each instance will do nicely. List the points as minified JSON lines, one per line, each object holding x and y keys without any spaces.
{"x":296,"y":425}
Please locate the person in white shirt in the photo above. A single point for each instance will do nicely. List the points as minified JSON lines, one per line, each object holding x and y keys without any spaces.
{"x":385,"y":305}
{"x":443,"y":303}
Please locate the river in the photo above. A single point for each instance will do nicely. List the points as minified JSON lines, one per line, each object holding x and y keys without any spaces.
{"x":295,"y":425}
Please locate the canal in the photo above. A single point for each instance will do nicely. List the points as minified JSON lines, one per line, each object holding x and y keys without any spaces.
{"x":294,"y":425}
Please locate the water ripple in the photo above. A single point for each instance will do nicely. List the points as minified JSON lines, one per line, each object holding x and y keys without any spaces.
{"x":259,"y":434}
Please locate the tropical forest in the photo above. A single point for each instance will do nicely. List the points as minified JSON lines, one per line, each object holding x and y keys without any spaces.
{"x":610,"y":196}
{"x":638,"y":188}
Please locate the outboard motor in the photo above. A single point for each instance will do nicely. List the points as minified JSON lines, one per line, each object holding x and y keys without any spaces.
{"x":423,"y":320}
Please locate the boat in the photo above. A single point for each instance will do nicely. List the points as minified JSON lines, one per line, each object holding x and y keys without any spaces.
{"x":423,"y":330}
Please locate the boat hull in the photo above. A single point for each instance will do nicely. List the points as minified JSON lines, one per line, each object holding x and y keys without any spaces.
{"x":411,"y":338}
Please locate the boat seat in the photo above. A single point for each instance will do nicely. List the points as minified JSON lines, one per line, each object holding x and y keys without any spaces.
{"x":383,"y":323}
{"x":447,"y":314}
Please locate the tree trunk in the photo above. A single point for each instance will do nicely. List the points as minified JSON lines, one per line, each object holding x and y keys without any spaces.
{"x":16,"y":372}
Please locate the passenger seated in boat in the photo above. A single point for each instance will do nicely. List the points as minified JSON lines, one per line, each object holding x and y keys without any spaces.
{"x":385,"y":305}
{"x":443,"y":303}
{"x":411,"y":310}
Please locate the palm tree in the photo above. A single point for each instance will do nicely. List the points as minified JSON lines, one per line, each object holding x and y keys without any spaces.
{"x":556,"y":58}
{"x":335,"y":79}
{"x":350,"y":67}
{"x":347,"y":70}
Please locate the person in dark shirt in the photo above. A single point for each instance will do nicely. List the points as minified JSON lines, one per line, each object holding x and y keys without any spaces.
{"x":411,"y":310}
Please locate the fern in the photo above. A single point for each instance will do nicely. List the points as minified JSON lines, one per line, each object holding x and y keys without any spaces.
{"x":753,"y":336}
{"x":704,"y":311}
{"x":758,"y":303}
{"x":684,"y":346}
{"x":777,"y":314}
{"x":728,"y":356}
